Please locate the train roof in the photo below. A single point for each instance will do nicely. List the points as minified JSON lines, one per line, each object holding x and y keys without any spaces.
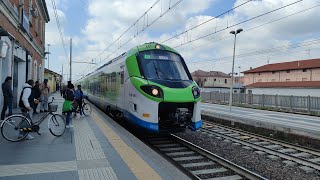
{"x":133,"y":51}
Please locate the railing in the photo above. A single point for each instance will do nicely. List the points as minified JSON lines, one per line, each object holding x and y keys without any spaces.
{"x":293,"y":103}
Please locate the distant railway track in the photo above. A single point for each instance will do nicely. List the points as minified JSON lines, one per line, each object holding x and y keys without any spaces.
{"x":308,"y":159}
{"x":197,"y":162}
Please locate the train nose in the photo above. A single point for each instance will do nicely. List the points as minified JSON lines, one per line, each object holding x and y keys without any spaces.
{"x":173,"y":115}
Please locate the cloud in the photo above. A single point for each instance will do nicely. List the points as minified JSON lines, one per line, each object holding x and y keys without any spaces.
{"x":108,"y":19}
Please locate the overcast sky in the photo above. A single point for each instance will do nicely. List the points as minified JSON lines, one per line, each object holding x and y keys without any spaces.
{"x":287,"y":34}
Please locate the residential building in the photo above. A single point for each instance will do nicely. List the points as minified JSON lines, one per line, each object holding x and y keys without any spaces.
{"x":216,"y":81}
{"x":22,"y":30}
{"x":299,"y":78}
{"x":211,"y":79}
{"x":54,"y":79}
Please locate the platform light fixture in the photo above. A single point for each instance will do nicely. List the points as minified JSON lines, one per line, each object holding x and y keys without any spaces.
{"x":232,"y":73}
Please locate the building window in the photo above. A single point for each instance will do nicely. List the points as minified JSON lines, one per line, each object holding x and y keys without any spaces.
{"x":36,"y":26}
{"x":30,"y":11}
{"x":215,"y":80}
{"x":205,"y":79}
{"x":304,"y":70}
{"x":287,"y":79}
{"x":35,"y":71}
{"x":259,"y":74}
{"x":288,"y":71}
{"x":273,"y":72}
{"x":225,"y":81}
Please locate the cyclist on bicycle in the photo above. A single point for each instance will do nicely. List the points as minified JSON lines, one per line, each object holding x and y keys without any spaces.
{"x":26,"y":102}
{"x":78,"y":97}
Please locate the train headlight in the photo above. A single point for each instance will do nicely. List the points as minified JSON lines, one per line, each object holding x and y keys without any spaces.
{"x":155,"y":92}
{"x":152,"y":90}
{"x":196,"y":92}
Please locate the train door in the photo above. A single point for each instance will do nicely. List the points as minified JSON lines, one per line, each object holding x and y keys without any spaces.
{"x":122,"y":87}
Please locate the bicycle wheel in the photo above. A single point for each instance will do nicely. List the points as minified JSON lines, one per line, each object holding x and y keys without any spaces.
{"x":86,"y":109}
{"x":10,"y":128}
{"x":57,"y":125}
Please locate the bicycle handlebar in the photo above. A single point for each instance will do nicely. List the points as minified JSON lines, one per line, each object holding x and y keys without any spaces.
{"x":51,"y":100}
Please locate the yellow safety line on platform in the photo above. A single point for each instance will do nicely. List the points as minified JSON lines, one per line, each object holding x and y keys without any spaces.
{"x":137,"y":165}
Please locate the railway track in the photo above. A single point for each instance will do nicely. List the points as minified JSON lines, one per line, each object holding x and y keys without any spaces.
{"x":197,"y":162}
{"x":307,"y":159}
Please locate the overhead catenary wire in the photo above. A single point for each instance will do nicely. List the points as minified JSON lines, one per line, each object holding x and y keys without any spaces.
{"x":148,"y":25}
{"x":253,"y":28}
{"x":143,"y":15}
{"x":142,"y":30}
{"x":236,"y":24}
{"x":201,"y":24}
{"x":263,"y":51}
{"x":59,"y":27}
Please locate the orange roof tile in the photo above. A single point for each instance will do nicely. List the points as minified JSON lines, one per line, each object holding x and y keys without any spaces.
{"x":312,"y":84}
{"x":302,"y":64}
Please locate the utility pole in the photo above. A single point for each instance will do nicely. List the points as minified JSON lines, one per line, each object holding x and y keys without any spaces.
{"x":70,"y":59}
{"x":48,"y":55}
{"x":239,"y":83}
{"x":62,"y":74}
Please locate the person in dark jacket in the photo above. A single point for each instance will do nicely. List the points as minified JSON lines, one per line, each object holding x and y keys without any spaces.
{"x":7,"y":96}
{"x":78,"y":97}
{"x":36,"y":93}
{"x":69,"y":97}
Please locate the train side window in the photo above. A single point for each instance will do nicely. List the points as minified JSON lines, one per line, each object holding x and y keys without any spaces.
{"x":122,"y":77}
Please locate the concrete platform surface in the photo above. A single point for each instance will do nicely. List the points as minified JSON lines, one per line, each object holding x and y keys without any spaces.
{"x":96,"y":148}
{"x":285,"y":122}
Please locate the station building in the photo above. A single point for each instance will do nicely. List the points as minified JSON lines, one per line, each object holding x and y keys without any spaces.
{"x":22,"y":41}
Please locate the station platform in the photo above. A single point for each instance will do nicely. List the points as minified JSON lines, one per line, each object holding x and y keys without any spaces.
{"x":97,"y":148}
{"x":304,"y":125}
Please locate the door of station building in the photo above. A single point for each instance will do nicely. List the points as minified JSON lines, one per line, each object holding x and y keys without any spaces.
{"x":15,"y":84}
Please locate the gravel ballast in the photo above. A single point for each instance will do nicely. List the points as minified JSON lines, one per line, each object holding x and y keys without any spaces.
{"x":261,"y":164}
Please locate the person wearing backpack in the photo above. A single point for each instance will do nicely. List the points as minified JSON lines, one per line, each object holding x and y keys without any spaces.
{"x":68,"y":104}
{"x":26,"y":103}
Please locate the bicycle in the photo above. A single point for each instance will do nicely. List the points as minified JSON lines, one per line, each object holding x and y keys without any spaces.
{"x":86,"y":108}
{"x":16,"y":127}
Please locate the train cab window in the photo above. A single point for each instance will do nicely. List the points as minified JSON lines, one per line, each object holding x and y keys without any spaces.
{"x":163,"y":65}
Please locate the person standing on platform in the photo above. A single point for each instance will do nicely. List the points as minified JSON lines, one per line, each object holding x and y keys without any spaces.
{"x":37,"y":93}
{"x":78,"y":97}
{"x":67,"y":104}
{"x":45,"y":90}
{"x":7,"y":96}
{"x":26,"y":103}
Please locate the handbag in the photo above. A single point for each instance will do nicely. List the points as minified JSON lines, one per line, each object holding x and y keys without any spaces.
{"x":67,"y":106}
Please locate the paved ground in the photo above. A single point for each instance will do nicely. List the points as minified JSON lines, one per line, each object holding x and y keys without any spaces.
{"x":96,"y":148}
{"x":300,"y":124}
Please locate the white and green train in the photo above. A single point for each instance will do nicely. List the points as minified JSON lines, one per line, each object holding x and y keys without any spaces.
{"x":150,"y":86}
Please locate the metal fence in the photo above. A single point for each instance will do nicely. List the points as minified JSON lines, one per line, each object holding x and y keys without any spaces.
{"x":293,"y":103}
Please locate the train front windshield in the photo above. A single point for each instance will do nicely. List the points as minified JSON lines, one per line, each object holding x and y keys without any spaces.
{"x":162,"y":65}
